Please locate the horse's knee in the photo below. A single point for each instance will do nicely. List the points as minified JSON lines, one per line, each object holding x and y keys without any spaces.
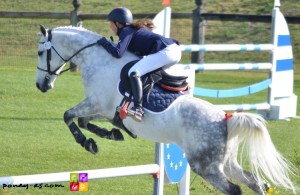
{"x":82,"y":123}
{"x":68,"y":117}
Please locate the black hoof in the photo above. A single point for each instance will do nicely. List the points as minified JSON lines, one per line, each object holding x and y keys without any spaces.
{"x":134,"y":136}
{"x":115,"y":134}
{"x":91,"y":146}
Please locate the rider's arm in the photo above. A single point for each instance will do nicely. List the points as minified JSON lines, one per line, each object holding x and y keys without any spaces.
{"x":119,"y":50}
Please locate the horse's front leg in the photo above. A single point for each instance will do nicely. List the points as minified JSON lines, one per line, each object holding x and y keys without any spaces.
{"x":114,"y":134}
{"x":85,"y":108}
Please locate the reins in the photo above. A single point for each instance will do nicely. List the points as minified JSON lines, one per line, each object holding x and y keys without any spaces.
{"x":77,"y":52}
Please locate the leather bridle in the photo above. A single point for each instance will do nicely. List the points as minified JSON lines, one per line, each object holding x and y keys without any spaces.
{"x":48,"y":46}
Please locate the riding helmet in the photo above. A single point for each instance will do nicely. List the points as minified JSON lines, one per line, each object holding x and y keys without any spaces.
{"x":120,"y":14}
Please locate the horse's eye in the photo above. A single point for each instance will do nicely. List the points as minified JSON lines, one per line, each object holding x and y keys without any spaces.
{"x":40,"y":53}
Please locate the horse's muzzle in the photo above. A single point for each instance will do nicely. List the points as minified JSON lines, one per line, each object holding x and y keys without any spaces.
{"x":45,"y":86}
{"x":42,"y":89}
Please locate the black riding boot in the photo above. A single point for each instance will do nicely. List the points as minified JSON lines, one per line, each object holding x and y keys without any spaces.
{"x":137,"y":92}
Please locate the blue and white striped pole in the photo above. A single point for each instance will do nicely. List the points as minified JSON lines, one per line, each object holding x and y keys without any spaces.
{"x":227,"y":47}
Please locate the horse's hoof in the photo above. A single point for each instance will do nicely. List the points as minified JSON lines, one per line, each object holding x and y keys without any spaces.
{"x":91,"y":146}
{"x":116,"y":135}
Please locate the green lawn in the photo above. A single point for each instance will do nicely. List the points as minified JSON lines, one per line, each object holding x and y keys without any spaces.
{"x":34,"y":138}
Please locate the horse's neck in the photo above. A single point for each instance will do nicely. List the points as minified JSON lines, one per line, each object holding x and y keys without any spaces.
{"x":94,"y":61}
{"x":73,"y":39}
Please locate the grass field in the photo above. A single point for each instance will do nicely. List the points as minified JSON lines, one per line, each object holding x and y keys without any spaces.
{"x":34,"y":138}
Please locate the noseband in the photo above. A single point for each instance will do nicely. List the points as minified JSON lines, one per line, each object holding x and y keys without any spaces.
{"x":48,"y":46}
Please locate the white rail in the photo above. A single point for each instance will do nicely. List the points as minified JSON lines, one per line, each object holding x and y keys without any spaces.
{"x":92,"y":174}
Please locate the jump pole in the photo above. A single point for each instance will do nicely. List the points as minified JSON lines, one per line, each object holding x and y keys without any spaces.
{"x":92,"y":174}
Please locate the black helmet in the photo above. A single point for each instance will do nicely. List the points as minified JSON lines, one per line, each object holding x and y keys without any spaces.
{"x":120,"y":14}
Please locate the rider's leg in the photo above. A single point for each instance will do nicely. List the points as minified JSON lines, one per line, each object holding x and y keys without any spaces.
{"x":137,"y":92}
{"x":166,"y":57}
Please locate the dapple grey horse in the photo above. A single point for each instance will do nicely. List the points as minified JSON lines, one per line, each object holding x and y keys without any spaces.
{"x":209,"y":138}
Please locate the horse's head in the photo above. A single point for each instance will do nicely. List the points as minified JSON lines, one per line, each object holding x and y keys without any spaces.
{"x":50,"y":61}
{"x":63,"y":44}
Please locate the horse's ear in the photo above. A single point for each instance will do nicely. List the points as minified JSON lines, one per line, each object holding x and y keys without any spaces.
{"x":43,"y":30}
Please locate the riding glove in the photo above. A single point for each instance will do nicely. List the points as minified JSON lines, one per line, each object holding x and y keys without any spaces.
{"x":102,"y":41}
{"x":107,"y":45}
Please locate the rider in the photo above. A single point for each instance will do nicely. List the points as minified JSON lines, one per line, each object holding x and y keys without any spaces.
{"x":137,"y":37}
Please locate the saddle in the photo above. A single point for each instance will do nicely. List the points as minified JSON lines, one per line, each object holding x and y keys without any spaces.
{"x":158,"y":86}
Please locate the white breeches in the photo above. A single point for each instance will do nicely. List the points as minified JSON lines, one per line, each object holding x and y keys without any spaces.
{"x":165,"y":58}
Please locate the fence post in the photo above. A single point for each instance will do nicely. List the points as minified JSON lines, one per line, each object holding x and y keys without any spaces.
{"x":75,"y":21}
{"x":198,"y":35}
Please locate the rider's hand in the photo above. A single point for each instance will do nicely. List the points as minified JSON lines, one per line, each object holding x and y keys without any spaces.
{"x":102,"y":41}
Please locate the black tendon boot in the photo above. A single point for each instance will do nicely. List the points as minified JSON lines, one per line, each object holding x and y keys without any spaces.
{"x":137,"y":92}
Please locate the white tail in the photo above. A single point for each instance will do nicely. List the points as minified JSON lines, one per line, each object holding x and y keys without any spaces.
{"x":265,"y":160}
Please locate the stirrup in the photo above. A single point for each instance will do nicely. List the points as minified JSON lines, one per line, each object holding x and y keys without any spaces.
{"x":137,"y":113}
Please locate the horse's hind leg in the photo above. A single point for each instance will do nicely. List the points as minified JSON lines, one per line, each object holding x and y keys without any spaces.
{"x":85,"y":108}
{"x":213,"y":174}
{"x":114,"y":134}
{"x":233,"y":170}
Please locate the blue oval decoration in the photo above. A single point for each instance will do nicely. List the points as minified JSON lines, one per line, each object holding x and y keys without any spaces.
{"x":175,"y":162}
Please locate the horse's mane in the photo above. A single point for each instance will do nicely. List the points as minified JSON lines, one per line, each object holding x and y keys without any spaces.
{"x":76,"y":29}
{"x":87,"y":34}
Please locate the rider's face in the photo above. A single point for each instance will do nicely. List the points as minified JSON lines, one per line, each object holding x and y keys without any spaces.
{"x":113,"y":27}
